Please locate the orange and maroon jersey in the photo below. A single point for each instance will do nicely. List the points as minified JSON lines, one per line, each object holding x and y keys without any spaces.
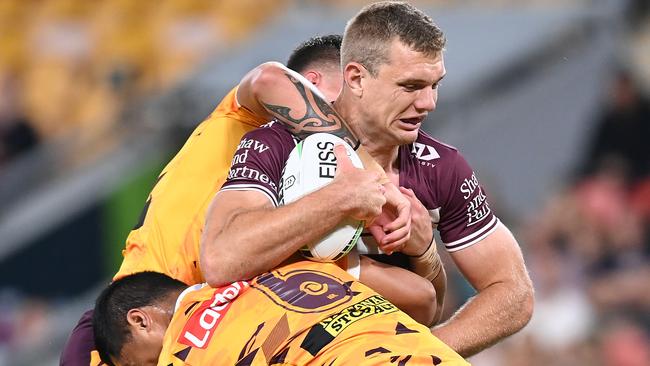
{"x":167,"y":237}
{"x":301,"y":314}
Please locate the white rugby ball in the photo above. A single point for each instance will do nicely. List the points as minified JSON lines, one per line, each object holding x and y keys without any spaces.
{"x":312,"y":165}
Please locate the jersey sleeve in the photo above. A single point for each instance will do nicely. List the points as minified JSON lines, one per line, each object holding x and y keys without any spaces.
{"x":465,"y":216}
{"x":258,"y":162}
{"x":80,"y":346}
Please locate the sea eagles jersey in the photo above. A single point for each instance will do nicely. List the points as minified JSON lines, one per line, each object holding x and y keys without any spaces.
{"x":304,"y":313}
{"x":438,"y":174}
{"x":167,"y":237}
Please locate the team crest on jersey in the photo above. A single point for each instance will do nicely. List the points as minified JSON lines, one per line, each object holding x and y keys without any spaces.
{"x":303,"y":290}
{"x":424,"y":152}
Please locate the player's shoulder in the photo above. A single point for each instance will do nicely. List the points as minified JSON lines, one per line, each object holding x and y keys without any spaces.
{"x":272,"y":131}
{"x":226,"y":106}
{"x":230,"y":111}
{"x":272,"y":140}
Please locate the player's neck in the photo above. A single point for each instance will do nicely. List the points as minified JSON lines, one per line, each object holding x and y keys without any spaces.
{"x":343,"y":105}
{"x":386,"y":156}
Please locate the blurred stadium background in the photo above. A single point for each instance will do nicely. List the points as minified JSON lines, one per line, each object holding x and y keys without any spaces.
{"x":546,"y":99}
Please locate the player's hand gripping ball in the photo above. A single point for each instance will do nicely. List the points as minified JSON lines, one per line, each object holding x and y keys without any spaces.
{"x":312,"y":165}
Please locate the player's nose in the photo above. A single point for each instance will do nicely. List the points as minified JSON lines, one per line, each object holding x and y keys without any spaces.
{"x":426,"y":100}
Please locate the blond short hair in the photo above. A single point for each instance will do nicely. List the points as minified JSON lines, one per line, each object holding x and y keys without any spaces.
{"x":368,"y":36}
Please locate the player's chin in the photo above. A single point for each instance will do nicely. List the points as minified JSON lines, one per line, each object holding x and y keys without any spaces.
{"x":407,"y":137}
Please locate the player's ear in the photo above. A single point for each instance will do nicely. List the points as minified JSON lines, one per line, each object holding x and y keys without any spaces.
{"x":139,"y":319}
{"x":313,"y":77}
{"x":353,"y":75}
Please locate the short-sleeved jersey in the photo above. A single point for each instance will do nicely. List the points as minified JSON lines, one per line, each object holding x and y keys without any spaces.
{"x":438,"y":174}
{"x":305,"y":313}
{"x":167,"y":237}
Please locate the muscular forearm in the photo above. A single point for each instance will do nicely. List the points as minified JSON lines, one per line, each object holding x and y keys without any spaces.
{"x":440,"y":285}
{"x":429,"y":266}
{"x":255,"y":241}
{"x":299,"y":106}
{"x":495,"y":313}
{"x":418,"y":299}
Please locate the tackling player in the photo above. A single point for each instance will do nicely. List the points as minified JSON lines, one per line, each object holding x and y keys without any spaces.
{"x":299,"y":314}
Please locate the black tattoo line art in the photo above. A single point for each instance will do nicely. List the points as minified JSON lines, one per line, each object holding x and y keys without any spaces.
{"x":319,"y":116}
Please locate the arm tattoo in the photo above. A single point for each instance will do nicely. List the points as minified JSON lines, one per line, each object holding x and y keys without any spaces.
{"x":320,"y":116}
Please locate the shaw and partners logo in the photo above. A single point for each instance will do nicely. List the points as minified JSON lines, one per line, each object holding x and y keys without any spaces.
{"x":477,"y":206}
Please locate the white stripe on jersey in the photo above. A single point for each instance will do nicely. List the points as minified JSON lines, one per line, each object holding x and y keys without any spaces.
{"x":473,"y":238}
{"x":253,"y":187}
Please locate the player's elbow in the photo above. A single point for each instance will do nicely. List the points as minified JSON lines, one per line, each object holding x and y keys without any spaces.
{"x":529,"y":304}
{"x":265,"y":76}
{"x":210,"y":270}
{"x":422,"y":306}
{"x":216,"y":266}
{"x":218,"y":270}
{"x":525,"y":299}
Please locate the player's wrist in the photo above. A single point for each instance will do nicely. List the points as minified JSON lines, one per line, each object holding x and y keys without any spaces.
{"x":411,"y":252}
{"x":332,"y":197}
{"x":428,"y":264}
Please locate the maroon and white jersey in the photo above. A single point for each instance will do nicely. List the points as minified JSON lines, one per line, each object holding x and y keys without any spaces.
{"x":448,"y":187}
{"x":259,"y":161}
{"x":438,"y":174}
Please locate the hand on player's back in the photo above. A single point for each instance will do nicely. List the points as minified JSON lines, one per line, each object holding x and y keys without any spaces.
{"x":362,"y":190}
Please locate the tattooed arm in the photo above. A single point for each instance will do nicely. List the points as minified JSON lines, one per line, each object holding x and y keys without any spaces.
{"x":275,"y":92}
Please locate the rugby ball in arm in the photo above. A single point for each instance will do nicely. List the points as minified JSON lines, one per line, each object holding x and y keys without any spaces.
{"x":312,"y":165}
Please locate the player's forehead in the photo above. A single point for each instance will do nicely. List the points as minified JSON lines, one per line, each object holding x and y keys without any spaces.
{"x":406,"y":65}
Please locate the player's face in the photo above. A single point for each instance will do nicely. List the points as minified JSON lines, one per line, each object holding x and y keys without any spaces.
{"x":146,"y":340}
{"x":395,"y":102}
{"x":141,"y":353}
{"x":327,"y":78}
{"x":330,"y":84}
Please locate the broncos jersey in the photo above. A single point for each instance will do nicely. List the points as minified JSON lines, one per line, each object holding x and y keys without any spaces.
{"x":166,"y":239}
{"x":305,"y":313}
